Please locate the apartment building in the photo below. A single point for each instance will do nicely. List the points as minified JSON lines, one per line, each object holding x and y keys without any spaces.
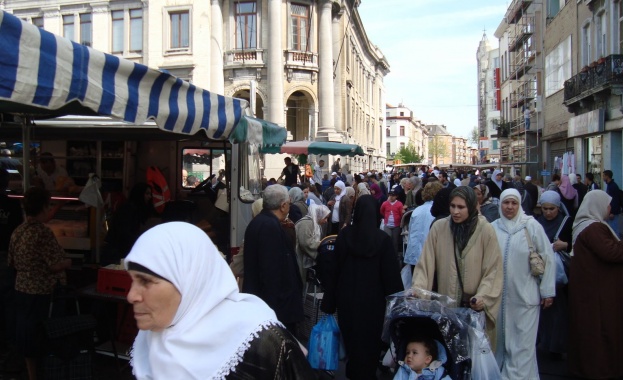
{"x":461,"y":151}
{"x":403,"y":129}
{"x":440,"y":147}
{"x":489,"y":101}
{"x":323,"y":81}
{"x":520,"y":35}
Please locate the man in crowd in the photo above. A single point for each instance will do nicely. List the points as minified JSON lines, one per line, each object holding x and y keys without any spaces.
{"x":615,"y":205}
{"x":319,"y":172}
{"x":291,"y":173}
{"x":532,"y":190}
{"x":443,"y":178}
{"x":589,"y":180}
{"x":270,"y":267}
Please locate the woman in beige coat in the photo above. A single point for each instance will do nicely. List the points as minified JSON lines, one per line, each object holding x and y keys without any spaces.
{"x":308,"y":236}
{"x":466,"y":241}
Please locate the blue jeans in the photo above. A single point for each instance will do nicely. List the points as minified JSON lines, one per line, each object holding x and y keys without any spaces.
{"x":614,"y":224}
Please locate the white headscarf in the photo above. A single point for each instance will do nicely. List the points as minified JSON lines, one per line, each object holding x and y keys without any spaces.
{"x":317,"y":213}
{"x":592,"y":210}
{"x":520,"y":219}
{"x":494,"y":179}
{"x":362,"y":189}
{"x":214,"y":323}
{"x":457,"y":182}
{"x":342,"y":186}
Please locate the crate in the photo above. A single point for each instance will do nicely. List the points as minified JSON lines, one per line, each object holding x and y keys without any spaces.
{"x":113,"y":281}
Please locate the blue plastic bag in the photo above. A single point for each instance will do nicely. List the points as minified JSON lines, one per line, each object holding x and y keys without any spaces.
{"x":324,"y":344}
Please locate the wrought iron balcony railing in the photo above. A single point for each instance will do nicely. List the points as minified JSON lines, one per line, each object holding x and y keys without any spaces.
{"x":600,"y":75}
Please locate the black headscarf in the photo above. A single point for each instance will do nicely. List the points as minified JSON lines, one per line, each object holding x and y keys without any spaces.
{"x":363,"y":238}
{"x":462,"y":232}
{"x":441,"y":204}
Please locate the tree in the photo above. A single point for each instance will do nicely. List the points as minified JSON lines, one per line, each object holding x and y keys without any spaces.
{"x":408,"y":154}
{"x":474,"y":137}
{"x":437,"y":148}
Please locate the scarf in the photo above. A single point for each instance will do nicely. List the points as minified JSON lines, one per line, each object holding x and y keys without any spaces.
{"x":341,"y":185}
{"x":494,"y":178}
{"x":296,"y":194}
{"x":566,"y":189}
{"x":364,"y":238}
{"x":214,"y":323}
{"x":592,"y":210}
{"x":378,"y":193}
{"x":317,"y":213}
{"x":362,"y":189}
{"x":520,"y":219}
{"x":486,"y":194}
{"x":462,"y":232}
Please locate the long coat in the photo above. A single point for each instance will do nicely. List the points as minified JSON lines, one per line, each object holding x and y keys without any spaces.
{"x":357,"y":286}
{"x":596,"y":305}
{"x":521,"y":298}
{"x":481,"y":270}
{"x":270,"y":267}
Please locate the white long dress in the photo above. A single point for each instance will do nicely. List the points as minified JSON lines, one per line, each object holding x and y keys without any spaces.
{"x":518,"y":321}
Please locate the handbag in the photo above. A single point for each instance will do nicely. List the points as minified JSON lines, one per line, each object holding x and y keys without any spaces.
{"x":324,"y":345}
{"x":537,"y":265}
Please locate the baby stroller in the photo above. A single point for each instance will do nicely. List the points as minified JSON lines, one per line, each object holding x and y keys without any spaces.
{"x":434,"y":316}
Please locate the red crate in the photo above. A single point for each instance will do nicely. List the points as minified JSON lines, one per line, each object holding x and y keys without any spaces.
{"x":113,"y":281}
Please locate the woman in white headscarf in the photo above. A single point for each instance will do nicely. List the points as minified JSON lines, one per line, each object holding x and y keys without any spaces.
{"x":595,"y":297}
{"x":308,"y":236}
{"x":194,"y":324}
{"x":362,"y":189}
{"x":496,"y":185}
{"x":334,"y":206}
{"x":347,"y":204}
{"x":523,"y":294}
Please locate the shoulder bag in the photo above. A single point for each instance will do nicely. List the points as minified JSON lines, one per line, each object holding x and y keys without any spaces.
{"x":537,"y":265}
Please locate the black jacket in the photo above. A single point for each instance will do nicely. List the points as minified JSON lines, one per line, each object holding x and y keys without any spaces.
{"x":270,"y":267}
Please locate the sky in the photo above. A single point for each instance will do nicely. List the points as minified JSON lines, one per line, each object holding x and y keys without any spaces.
{"x":431,"y":48}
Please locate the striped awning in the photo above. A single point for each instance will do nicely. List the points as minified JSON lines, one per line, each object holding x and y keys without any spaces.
{"x":42,"y":73}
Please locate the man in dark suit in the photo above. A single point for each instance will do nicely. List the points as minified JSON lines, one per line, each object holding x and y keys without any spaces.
{"x":270,"y":266}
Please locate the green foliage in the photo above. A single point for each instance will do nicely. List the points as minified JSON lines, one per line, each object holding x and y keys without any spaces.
{"x":474,"y":137}
{"x":408,"y":154}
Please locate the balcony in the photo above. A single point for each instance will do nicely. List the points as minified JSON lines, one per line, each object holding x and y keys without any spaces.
{"x":516,"y":10}
{"x":237,"y":58}
{"x":604,"y":75}
{"x":301,"y":65}
{"x":523,"y":33}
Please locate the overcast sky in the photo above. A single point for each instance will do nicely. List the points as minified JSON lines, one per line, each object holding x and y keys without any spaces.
{"x":431,"y":49}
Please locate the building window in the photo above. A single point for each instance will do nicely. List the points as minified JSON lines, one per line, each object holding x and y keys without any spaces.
{"x":117,"y":31}
{"x":119,"y":36}
{"x":402,"y":145}
{"x":558,"y":67}
{"x":586,"y":45}
{"x":246,"y":25}
{"x":402,"y":130}
{"x":86,"y":29}
{"x":136,"y":30}
{"x":387,"y":132}
{"x":300,"y":26}
{"x":180,"y":30}
{"x":68,"y":26}
{"x":388,"y":148}
{"x":37,"y":21}
{"x":402,"y":114}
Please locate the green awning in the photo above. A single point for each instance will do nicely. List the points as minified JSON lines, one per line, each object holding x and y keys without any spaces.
{"x":260,"y":132}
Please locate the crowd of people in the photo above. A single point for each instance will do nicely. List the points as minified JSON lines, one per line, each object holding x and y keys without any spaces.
{"x":473,"y":238}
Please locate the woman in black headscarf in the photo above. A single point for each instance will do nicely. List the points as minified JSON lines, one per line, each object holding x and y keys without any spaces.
{"x":463,"y":254}
{"x":363,"y":273}
{"x":441,"y":204}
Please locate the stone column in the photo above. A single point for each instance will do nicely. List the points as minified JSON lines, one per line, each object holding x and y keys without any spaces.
{"x":338,"y":44}
{"x":275,"y":64}
{"x":217,"y":78}
{"x":326,"y":130}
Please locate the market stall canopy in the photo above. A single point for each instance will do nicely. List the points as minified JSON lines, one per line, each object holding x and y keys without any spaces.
{"x":45,"y":74}
{"x":316,"y":147}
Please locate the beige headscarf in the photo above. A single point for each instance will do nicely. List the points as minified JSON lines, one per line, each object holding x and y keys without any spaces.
{"x":363,"y":189}
{"x":592,"y":210}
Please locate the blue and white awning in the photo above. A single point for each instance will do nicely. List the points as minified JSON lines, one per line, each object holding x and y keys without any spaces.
{"x":42,"y":73}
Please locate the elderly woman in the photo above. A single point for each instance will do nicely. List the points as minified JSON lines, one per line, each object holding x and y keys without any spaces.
{"x":364,"y":273}
{"x":461,"y":251}
{"x":554,"y":321}
{"x":39,"y":262}
{"x":419,"y":224}
{"x":523,"y":294}
{"x":308,"y":236}
{"x":346,"y":207}
{"x":194,"y":324}
{"x":595,"y":297}
{"x":415,"y":185}
{"x":487,"y":208}
{"x":298,"y":208}
{"x":334,"y":206}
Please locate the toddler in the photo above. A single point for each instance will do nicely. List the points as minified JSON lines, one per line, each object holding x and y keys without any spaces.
{"x":424,"y":359}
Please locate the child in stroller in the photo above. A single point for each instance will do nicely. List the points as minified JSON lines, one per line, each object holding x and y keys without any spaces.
{"x":424,"y":360}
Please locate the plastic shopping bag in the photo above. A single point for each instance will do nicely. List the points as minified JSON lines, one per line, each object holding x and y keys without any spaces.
{"x":561,"y":275}
{"x":324,"y":344}
{"x":484,"y":365}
